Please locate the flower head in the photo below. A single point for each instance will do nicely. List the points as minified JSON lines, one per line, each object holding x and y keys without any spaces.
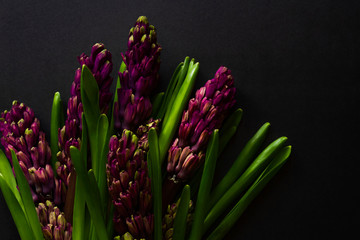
{"x":205,"y":113}
{"x":169,"y":217}
{"x":20,"y":132}
{"x":53,"y":222}
{"x":100,"y":64}
{"x":142,"y":60}
{"x":129,"y":182}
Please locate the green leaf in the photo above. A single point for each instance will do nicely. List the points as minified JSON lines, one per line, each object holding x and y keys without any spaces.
{"x":102,"y":132}
{"x":174,"y":112}
{"x":122,"y":67}
{"x":95,"y":190}
{"x":156,"y":103}
{"x":181,"y":214}
{"x":57,"y":121}
{"x":118,"y":86}
{"x":156,"y":181}
{"x":90,"y":99}
{"x":224,"y":139}
{"x":174,"y":81}
{"x":212,"y":150}
{"x":78,"y":226}
{"x":80,"y":223}
{"x":90,"y":192}
{"x":246,"y":179}
{"x":111,"y":127}
{"x":27,"y":200}
{"x":195,"y":182}
{"x":9,"y":178}
{"x":179,"y":81}
{"x":229,"y":128}
{"x":233,"y":120}
{"x":231,"y":218}
{"x":89,"y":94}
{"x":16,"y":211}
{"x":110,"y":223}
{"x":242,"y":161}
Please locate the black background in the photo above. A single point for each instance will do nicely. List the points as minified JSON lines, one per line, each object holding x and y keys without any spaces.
{"x":295,"y":63}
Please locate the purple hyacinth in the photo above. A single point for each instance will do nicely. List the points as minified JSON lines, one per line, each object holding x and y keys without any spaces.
{"x":20,"y":131}
{"x":169,"y":217}
{"x":100,"y":64}
{"x":205,"y":113}
{"x":142,"y":60}
{"x":126,"y":236}
{"x":129,"y":182}
{"x":53,"y":222}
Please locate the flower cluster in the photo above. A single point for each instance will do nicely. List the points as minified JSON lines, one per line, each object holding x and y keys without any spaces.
{"x":53,"y":222}
{"x":169,"y":217}
{"x":100,"y":64}
{"x":20,"y":131}
{"x":129,"y":182}
{"x":142,"y":60}
{"x":113,"y":187}
{"x":205,"y":113}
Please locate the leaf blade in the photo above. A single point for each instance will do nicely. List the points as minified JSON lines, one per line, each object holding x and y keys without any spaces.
{"x":240,"y":164}
{"x":156,"y":181}
{"x":8,"y":176}
{"x":181,"y":214}
{"x":57,"y":120}
{"x":16,"y":211}
{"x":174,"y":112}
{"x":89,"y":191}
{"x":212,"y":150}
{"x":230,"y":219}
{"x":245,"y":180}
{"x":27,"y":200}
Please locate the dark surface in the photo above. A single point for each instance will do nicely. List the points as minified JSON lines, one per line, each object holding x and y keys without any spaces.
{"x":296,"y":65}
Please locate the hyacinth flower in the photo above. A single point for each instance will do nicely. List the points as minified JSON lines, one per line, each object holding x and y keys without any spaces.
{"x":20,"y":131}
{"x":53,"y":222}
{"x":129,"y":182}
{"x":100,"y":65}
{"x":169,"y":217}
{"x":205,"y":113}
{"x":142,"y":60}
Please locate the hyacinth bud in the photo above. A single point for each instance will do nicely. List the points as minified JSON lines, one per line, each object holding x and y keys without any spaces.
{"x":100,"y":64}
{"x":169,"y":217}
{"x":129,"y":182}
{"x":205,"y":113}
{"x":142,"y":60}
{"x":52,"y":221}
{"x":20,"y":132}
{"x":126,"y":236}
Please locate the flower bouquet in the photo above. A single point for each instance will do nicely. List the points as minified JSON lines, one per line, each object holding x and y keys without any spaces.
{"x":136,"y":165}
